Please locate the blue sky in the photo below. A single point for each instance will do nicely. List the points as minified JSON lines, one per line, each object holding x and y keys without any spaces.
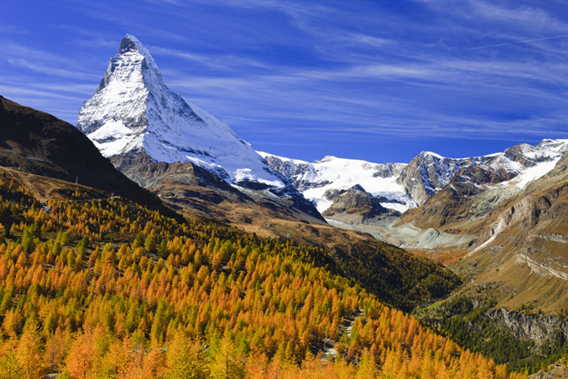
{"x":373,"y":80}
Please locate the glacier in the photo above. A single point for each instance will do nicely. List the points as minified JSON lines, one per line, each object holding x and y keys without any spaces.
{"x":406,"y":186}
{"x":314,"y":179}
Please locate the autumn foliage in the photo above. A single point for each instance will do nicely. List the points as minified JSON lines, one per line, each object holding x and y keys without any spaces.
{"x":446,"y":258}
{"x":162,"y":299}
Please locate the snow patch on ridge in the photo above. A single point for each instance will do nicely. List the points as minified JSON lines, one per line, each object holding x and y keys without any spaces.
{"x":534,"y":173}
{"x":395,"y":206}
{"x":332,"y":173}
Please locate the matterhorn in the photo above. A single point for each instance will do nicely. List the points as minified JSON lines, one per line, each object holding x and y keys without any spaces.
{"x":133,"y":113}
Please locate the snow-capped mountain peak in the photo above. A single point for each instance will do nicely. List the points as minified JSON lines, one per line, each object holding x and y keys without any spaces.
{"x":428,"y":173}
{"x":133,"y":112}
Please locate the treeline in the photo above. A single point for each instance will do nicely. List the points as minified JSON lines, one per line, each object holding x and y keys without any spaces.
{"x":163,"y":299}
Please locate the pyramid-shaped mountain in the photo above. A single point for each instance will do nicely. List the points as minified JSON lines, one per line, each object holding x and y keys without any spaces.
{"x":134,"y":113}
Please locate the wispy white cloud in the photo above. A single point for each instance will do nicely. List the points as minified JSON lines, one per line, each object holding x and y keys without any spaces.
{"x":17,"y":91}
{"x":367,"y":40}
{"x":12,"y":49}
{"x":528,"y":41}
{"x":173,"y":2}
{"x":221,"y":61}
{"x":51,"y":70}
{"x":522,"y":16}
{"x":57,"y":87}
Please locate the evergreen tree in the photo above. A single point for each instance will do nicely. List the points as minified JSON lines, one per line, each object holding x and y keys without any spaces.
{"x":225,"y":360}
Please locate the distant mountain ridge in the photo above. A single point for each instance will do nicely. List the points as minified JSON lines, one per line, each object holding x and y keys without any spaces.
{"x":331,"y":173}
{"x":428,"y":173}
{"x":405,"y":186}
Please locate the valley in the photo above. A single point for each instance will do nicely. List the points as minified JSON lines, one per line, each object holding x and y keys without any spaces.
{"x":151,"y":229}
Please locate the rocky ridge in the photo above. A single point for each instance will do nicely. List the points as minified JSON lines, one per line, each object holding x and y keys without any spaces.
{"x":529,"y":326}
{"x":356,"y":206}
{"x":184,"y":185}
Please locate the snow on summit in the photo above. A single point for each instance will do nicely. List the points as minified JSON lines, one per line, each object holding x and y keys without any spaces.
{"x":133,"y":112}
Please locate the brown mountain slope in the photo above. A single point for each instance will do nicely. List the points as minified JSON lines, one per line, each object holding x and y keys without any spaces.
{"x":356,"y":206}
{"x":45,"y":188}
{"x":465,"y":204}
{"x":44,"y":155}
{"x":197,"y":192}
{"x":39,"y":143}
{"x":521,"y":253}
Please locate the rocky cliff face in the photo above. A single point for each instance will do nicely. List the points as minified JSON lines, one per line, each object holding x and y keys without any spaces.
{"x":472,"y":195}
{"x":539,"y":211}
{"x":482,"y":197}
{"x":429,"y":173}
{"x":295,"y":172}
{"x":356,"y":206}
{"x":529,"y":326}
